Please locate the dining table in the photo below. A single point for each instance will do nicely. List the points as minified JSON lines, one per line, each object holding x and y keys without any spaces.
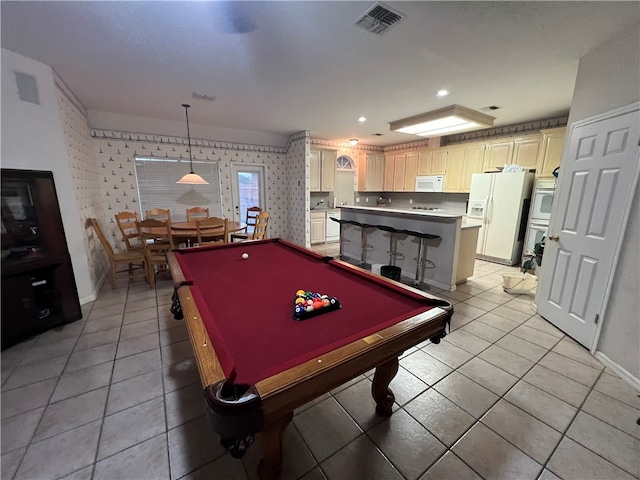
{"x":187,"y":232}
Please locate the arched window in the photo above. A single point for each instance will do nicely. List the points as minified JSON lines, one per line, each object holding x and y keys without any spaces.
{"x":344,"y":162}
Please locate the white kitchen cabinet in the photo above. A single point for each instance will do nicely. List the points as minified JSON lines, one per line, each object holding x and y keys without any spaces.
{"x":333,"y":228}
{"x":318,"y":227}
{"x":322,"y":164}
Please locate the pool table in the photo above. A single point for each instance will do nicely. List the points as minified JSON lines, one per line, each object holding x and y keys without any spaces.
{"x":257,"y":363}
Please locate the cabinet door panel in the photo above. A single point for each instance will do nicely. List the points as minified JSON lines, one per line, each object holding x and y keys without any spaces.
{"x":438,"y":162}
{"x":551,"y":152}
{"x":498,"y":154}
{"x":526,"y":152}
{"x":389,"y":169}
{"x":410,"y":172}
{"x":453,"y":177}
{"x":424,"y":162}
{"x":318,"y":230}
{"x":379,"y":170}
{"x":328,"y":183}
{"x":399,"y":168}
{"x":315,"y":167}
{"x":473,"y":163}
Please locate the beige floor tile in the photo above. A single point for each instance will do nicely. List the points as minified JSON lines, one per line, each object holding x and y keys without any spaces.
{"x":484,"y":331}
{"x":425,"y":367}
{"x":184,"y":405}
{"x":139,"y":328}
{"x":542,"y":325}
{"x":450,"y":467}
{"x":147,"y":460}
{"x":467,"y":341}
{"x":310,"y":404}
{"x":192,"y":445}
{"x":82,"y":474}
{"x":348,"y":383}
{"x":487,"y":375}
{"x":71,"y":413}
{"x":48,"y":350}
{"x":458,"y":320}
{"x":173,"y":335}
{"x":440,"y":416}
{"x":613,"y":412}
{"x":137,"y":364}
{"x":176,"y":352}
{"x":467,"y":394}
{"x":551,"y":410}
{"x":62,"y":454}
{"x":140,"y":344}
{"x":92,"y":356}
{"x":523,"y":430}
{"x":18,"y":430}
{"x":617,"y":388}
{"x":315,"y":474}
{"x":326,"y":428}
{"x":577,"y":352}
{"x":455,"y":295}
{"x":12,"y":356}
{"x":406,"y":387}
{"x":360,"y":405}
{"x":131,"y":426}
{"x":81,"y":381}
{"x":133,"y":391}
{"x":360,"y":459}
{"x":102,"y":323}
{"x":141,"y":304}
{"x":570,"y":368}
{"x":181,"y":374}
{"x":493,"y":457}
{"x":573,"y":461}
{"x":409,"y":446}
{"x":10,"y":462}
{"x":448,"y":354}
{"x":607,"y":441}
{"x":23,"y":399}
{"x":535,"y":336}
{"x":468,"y":310}
{"x":521,"y":347}
{"x":140,"y":315}
{"x":496,"y":321}
{"x":35,"y":372}
{"x":226,"y":467}
{"x":111,"y":311}
{"x":494,"y":296}
{"x":468,"y":289}
{"x":95,"y":339}
{"x":558,"y":385}
{"x":480,"y":303}
{"x":548,"y":475}
{"x":507,"y":361}
{"x":511,"y":314}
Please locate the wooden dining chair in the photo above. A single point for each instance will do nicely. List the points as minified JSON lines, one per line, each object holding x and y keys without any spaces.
{"x":157,"y":240}
{"x":260,"y":229}
{"x":250,"y":225}
{"x":161,"y":214}
{"x":127,"y":224}
{"x":208,"y":223}
{"x":135,"y":260}
{"x":197,"y":213}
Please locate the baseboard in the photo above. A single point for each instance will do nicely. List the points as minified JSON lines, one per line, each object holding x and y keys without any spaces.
{"x":88,"y":298}
{"x":94,"y":296}
{"x":621,"y":371}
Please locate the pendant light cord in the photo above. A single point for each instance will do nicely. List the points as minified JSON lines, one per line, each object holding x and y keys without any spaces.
{"x":186,"y":112}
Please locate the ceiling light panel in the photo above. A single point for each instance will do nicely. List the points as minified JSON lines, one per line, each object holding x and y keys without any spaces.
{"x":445,"y":120}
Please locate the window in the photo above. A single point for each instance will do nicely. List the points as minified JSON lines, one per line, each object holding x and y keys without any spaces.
{"x":157,"y":187}
{"x":344,"y":162}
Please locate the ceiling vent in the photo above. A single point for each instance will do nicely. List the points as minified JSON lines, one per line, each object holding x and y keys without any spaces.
{"x":490,"y":108}
{"x":199,"y":96}
{"x":378,"y":19}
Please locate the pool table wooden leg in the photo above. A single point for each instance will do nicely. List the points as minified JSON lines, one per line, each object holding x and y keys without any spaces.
{"x":380,"y":389}
{"x":271,"y":443}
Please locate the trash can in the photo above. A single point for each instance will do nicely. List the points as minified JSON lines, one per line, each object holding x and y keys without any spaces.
{"x":391,"y":271}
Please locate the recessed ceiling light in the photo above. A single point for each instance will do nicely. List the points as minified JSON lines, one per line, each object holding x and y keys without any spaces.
{"x":353,"y":142}
{"x":362,"y":119}
{"x":442,"y":93}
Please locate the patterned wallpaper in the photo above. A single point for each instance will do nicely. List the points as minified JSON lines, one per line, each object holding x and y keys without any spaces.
{"x":115,"y":153}
{"x":298,"y":178}
{"x":83,"y":167}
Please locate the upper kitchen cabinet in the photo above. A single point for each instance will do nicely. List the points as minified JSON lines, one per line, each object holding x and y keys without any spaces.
{"x":453,"y":169}
{"x":400,"y":172}
{"x":550,"y":151}
{"x":323,"y":170}
{"x":371,"y":172}
{"x":425,"y":158}
{"x":525,"y":151}
{"x":473,"y":163}
{"x":498,"y":155}
{"x":438,"y":161}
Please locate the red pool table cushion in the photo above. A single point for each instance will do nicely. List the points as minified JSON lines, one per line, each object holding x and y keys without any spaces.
{"x":248,"y":305}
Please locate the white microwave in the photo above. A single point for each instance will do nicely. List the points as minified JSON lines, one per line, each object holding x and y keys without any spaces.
{"x":429,"y":183}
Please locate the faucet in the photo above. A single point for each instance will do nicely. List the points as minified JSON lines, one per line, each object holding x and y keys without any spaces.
{"x":320,"y":202}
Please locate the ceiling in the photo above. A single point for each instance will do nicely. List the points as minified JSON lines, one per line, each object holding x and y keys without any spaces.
{"x":282,"y":67}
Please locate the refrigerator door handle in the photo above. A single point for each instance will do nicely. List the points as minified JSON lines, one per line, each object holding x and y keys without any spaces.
{"x":489,"y":204}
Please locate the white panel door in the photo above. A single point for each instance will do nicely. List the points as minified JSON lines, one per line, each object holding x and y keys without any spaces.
{"x":596,"y":185}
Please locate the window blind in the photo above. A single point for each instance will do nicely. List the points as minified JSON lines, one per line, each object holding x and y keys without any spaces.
{"x":157,"y":187}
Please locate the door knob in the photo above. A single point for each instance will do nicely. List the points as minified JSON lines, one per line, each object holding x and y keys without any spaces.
{"x":555,"y":238}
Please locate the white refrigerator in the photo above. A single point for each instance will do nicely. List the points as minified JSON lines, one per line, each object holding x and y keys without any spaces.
{"x":499,"y":203}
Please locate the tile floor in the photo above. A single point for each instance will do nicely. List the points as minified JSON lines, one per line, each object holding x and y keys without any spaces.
{"x":504,"y":396}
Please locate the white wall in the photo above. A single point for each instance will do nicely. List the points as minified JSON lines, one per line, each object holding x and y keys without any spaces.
{"x":33,"y":139}
{"x":609,"y":77}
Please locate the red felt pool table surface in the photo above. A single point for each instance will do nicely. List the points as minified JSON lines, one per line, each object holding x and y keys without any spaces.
{"x":247,"y":305}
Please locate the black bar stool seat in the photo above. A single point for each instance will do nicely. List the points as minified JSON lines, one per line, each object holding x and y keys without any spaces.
{"x":363,"y":236}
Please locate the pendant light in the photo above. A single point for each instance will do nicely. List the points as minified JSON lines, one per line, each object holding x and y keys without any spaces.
{"x":191,"y":178}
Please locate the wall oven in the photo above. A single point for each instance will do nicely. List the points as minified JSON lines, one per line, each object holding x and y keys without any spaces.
{"x":542,"y":201}
{"x":534,"y":235}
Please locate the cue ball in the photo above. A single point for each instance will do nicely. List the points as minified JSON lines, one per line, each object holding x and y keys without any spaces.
{"x":245,"y":256}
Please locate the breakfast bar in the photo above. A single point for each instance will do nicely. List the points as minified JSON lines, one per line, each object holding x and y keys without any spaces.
{"x":448,"y":245}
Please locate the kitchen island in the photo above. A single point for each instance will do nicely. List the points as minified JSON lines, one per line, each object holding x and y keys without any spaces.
{"x":449,"y":259}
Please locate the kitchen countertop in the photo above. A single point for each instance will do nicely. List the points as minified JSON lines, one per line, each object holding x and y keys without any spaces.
{"x":408,"y":211}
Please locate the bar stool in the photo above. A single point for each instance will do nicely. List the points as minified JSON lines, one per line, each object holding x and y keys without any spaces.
{"x":363,"y":241}
{"x":420,"y":263}
{"x":343,"y":240}
{"x":393,"y":242}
